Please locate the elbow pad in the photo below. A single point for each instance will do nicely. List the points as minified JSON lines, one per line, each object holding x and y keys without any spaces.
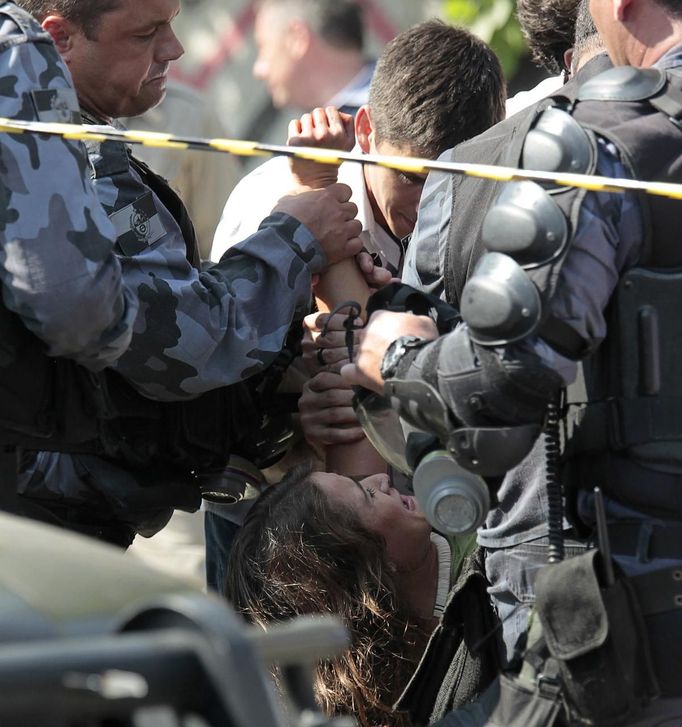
{"x":491,"y":389}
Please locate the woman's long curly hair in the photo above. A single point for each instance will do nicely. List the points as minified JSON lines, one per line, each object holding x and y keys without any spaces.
{"x":297,"y":554}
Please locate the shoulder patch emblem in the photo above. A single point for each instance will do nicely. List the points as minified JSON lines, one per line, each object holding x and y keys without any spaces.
{"x":57,"y":105}
{"x":138,"y":225}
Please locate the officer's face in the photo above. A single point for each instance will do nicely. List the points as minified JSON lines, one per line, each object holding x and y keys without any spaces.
{"x":121,"y":70}
{"x":394,"y":195}
{"x":383,"y":510}
{"x":279,"y":54}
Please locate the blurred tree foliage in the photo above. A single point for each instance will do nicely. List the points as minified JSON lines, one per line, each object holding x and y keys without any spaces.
{"x":494,"y":21}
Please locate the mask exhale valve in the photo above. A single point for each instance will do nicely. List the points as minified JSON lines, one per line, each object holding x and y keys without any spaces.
{"x":454,"y":500}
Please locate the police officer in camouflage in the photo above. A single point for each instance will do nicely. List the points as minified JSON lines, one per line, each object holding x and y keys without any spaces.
{"x":62,"y":291}
{"x":604,"y":643}
{"x":57,"y":269}
{"x":196,"y":331}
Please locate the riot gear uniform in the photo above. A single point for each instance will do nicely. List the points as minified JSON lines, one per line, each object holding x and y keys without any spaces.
{"x":621,"y":424}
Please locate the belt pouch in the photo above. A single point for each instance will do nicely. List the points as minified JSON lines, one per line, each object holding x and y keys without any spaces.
{"x":597,"y":635}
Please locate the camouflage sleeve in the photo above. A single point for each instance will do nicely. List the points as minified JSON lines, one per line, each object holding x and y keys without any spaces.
{"x":200,"y":330}
{"x":57,"y":269}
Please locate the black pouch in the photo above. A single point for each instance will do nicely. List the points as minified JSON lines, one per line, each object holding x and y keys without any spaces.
{"x":598,"y":637}
{"x":461,"y":659}
{"x":521,"y":706}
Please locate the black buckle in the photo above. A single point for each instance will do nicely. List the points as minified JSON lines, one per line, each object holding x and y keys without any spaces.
{"x":549,"y":681}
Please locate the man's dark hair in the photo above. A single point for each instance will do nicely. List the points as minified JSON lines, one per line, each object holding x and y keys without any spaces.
{"x":549,"y":29}
{"x":587,"y":37}
{"x":86,"y":14}
{"x":435,"y":86}
{"x":339,"y":22}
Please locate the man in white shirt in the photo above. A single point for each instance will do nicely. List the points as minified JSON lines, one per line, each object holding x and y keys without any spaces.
{"x":434,"y":86}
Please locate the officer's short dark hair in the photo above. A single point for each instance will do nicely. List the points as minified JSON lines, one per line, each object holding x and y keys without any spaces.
{"x":549,"y":29}
{"x":587,"y":36}
{"x":339,"y":22}
{"x":435,"y":85}
{"x":85,"y":14}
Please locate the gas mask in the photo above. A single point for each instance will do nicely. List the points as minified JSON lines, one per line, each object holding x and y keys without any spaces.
{"x":454,"y":470}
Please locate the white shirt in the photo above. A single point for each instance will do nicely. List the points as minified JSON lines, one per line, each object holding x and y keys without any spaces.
{"x":524,"y":99}
{"x":259,"y":191}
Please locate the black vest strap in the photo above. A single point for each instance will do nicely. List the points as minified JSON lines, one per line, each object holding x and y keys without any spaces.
{"x":172,"y":202}
{"x":670,"y":103}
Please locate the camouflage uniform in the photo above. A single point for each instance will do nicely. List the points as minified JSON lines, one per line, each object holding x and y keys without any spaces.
{"x":195,"y":331}
{"x":57,"y":270}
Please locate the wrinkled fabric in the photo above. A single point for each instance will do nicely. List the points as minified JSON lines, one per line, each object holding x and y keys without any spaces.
{"x":197,"y":331}
{"x":57,"y":270}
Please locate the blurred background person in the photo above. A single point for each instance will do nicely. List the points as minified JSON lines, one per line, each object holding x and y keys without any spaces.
{"x":549,"y":28}
{"x":312,"y":53}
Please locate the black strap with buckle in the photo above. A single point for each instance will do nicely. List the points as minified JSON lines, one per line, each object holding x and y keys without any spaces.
{"x":645,"y":540}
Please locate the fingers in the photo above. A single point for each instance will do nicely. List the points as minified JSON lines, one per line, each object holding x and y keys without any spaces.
{"x":318,"y":350}
{"x":375,"y":276}
{"x":323,"y":382}
{"x":353,"y":376}
{"x":353,"y":229}
{"x":365,"y":262}
{"x":331,"y":358}
{"x":316,"y":322}
{"x":379,"y":277}
{"x":331,"y":117}
{"x":316,"y":397}
{"x":308,"y":126}
{"x":324,"y":127}
{"x":341,"y":192}
{"x":352,"y":247}
{"x":348,"y":121}
{"x":293,"y":132}
{"x":327,"y":415}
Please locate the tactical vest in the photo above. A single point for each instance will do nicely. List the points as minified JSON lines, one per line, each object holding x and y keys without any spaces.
{"x":624,"y":430}
{"x":54,"y":404}
{"x":472,"y":198}
{"x":622,"y":424}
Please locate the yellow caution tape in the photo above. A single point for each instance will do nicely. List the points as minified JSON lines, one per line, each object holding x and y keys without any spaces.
{"x":411,"y":165}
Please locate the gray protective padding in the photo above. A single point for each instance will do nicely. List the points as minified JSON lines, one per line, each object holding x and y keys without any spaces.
{"x":623,"y":83}
{"x":500,"y":304}
{"x":485,"y":390}
{"x":526,"y":224}
{"x":557,"y":143}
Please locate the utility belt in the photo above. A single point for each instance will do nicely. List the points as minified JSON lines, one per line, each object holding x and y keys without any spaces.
{"x":645,"y":540}
{"x":600,"y":647}
{"x":102,"y":415}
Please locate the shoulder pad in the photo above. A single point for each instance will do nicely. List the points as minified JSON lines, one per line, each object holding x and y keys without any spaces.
{"x":500,"y":303}
{"x":557,"y":143}
{"x":623,"y":83}
{"x":527,"y":224}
